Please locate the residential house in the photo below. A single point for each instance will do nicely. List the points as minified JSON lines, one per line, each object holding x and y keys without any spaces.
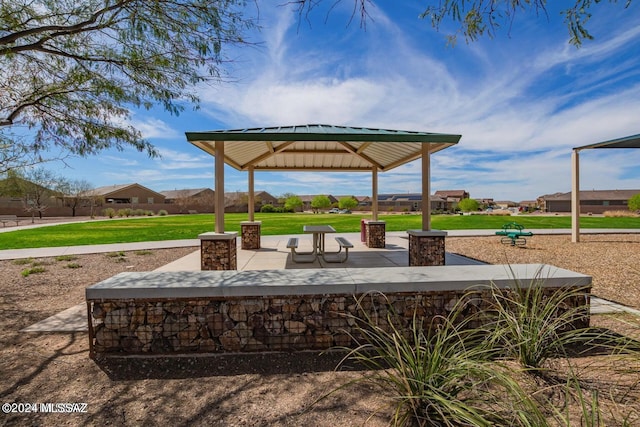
{"x":591,"y":201}
{"x":409,"y":202}
{"x":238,"y":201}
{"x":130,"y":194}
{"x":452,"y":197}
{"x":191,"y":199}
{"x":504,"y":204}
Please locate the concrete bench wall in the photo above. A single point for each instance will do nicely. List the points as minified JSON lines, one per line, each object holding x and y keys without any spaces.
{"x":285,"y":310}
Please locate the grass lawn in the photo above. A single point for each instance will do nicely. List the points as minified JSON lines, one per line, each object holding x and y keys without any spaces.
{"x":189,"y":226}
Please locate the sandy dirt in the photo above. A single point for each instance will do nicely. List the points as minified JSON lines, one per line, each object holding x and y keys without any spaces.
{"x":257,"y":390}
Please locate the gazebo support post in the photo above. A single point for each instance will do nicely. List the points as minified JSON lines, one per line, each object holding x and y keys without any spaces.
{"x":250,"y":230}
{"x":375,"y":231}
{"x":374,"y":193}
{"x":218,"y":249}
{"x":252,"y":202}
{"x":575,"y":196}
{"x":219,"y":184}
{"x":426,"y":246}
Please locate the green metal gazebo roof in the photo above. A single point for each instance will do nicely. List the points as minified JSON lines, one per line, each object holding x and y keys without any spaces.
{"x":632,"y":141}
{"x":320,"y":147}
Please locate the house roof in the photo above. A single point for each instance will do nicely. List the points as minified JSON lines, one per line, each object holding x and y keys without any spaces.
{"x":452,"y":193}
{"x":110,"y":189}
{"x":632,"y":141}
{"x":187,"y":192}
{"x":320,"y":147}
{"x":595,"y":195}
{"x":232,"y":194}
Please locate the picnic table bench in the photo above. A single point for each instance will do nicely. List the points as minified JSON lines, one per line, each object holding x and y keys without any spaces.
{"x":512,"y":233}
{"x":343,"y":243}
{"x":9,"y":218}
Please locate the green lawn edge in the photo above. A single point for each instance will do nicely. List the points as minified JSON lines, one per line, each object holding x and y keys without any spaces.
{"x":179,"y":227}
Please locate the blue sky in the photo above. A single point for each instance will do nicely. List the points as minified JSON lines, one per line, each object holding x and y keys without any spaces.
{"x":521,"y":101}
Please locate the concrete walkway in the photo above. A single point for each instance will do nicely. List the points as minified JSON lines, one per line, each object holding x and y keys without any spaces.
{"x":167,"y":244}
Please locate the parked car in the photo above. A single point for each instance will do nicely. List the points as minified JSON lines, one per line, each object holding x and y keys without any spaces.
{"x":334,"y":210}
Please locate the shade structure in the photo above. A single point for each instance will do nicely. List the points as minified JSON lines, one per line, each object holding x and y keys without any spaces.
{"x":320,"y":147}
{"x":632,"y":141}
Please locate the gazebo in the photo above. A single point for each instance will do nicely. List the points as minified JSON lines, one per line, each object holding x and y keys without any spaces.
{"x":317,"y":147}
{"x":626,"y":142}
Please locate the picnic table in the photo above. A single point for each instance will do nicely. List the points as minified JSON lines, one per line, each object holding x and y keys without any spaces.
{"x":319,"y":232}
{"x":513,"y":234}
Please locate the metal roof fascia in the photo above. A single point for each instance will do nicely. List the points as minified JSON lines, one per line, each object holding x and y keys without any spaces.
{"x":319,"y":136}
{"x":632,"y":141}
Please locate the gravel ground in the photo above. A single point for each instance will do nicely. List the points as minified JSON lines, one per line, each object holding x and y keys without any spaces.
{"x":273,"y":389}
{"x":613,"y":260}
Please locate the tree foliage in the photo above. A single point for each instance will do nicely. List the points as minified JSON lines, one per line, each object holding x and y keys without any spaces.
{"x":347,"y":203}
{"x":292,"y":203}
{"x":320,"y":202}
{"x":70,"y":70}
{"x":478,"y":18}
{"x":468,"y":205}
{"x":634,"y":202}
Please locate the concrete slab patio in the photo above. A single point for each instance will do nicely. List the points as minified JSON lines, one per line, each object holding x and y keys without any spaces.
{"x":274,"y":255}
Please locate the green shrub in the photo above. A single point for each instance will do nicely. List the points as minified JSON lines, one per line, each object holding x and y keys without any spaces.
{"x":117,"y":256}
{"x":33,"y":270}
{"x":634,"y":202}
{"x":73,"y":265}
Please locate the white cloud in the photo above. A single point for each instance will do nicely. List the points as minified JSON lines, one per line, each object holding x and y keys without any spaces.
{"x":152,"y":128}
{"x":519,"y":109}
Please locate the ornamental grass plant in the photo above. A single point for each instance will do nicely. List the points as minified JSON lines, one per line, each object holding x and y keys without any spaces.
{"x":530,"y":323}
{"x":515,"y":369}
{"x":436,"y":374}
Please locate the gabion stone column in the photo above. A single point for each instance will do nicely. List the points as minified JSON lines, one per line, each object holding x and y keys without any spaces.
{"x":218,"y":251}
{"x":426,"y":247}
{"x":375,"y":234}
{"x":250,"y":232}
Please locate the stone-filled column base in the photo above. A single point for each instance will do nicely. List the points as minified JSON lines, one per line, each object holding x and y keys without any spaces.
{"x":375,"y":234}
{"x":250,"y":232}
{"x":426,"y":248}
{"x":218,"y":251}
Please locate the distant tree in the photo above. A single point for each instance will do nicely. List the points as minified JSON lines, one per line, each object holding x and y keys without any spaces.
{"x":634,"y":203}
{"x":183,"y":200}
{"x":38,"y":187}
{"x":320,"y":202}
{"x":11,"y":185}
{"x":292,"y":203}
{"x":347,"y":203}
{"x":468,"y":205}
{"x":283,"y":198}
{"x":72,"y":69}
{"x":76,"y":193}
